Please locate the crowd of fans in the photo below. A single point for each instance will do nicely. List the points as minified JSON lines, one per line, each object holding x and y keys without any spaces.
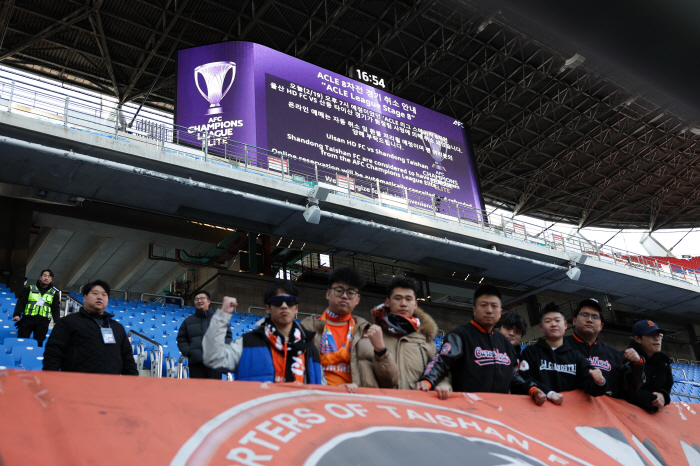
{"x":395,"y":350}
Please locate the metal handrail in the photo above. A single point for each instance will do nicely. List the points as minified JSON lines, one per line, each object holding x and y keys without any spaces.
{"x":689,"y":396}
{"x":254,"y":307}
{"x":181,"y":366}
{"x":181,"y":369}
{"x":71,"y":298}
{"x":685,"y":376}
{"x":66,"y":110}
{"x":126,"y":296}
{"x":182,"y":300}
{"x":159,"y":351}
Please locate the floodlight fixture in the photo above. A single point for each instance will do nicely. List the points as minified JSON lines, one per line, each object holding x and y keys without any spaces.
{"x":312,"y":214}
{"x":573,"y":273}
{"x":320,"y":192}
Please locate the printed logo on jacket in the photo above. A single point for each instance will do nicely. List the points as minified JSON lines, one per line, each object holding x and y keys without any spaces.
{"x":488,"y":357}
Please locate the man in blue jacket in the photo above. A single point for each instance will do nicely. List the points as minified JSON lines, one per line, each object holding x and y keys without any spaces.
{"x":279,"y":350}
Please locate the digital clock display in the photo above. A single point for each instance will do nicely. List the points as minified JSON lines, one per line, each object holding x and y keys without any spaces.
{"x":367,"y":77}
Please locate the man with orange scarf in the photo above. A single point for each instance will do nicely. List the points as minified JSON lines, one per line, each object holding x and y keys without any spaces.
{"x":279,"y":350}
{"x":338,"y":332}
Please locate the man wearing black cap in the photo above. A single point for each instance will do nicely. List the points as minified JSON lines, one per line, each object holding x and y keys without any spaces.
{"x":656,"y":392}
{"x":621,"y":370}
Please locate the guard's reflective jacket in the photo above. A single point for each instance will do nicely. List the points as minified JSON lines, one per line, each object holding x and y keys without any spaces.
{"x":30,"y":296}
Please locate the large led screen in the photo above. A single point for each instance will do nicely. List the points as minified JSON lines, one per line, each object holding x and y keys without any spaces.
{"x":257,"y":96}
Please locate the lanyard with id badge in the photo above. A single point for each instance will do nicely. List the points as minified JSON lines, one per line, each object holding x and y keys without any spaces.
{"x":108,"y":336}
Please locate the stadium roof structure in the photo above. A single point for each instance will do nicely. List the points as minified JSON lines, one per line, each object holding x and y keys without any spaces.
{"x":555,"y":137}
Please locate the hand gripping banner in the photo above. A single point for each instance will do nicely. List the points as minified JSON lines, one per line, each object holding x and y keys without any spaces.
{"x":81,"y":419}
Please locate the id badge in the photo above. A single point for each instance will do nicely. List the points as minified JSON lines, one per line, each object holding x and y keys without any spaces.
{"x":40,"y":302}
{"x":108,"y":336}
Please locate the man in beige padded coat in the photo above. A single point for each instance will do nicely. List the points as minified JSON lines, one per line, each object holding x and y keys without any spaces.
{"x":402,"y":338}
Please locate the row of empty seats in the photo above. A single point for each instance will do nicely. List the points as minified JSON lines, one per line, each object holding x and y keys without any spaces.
{"x":686,"y":386}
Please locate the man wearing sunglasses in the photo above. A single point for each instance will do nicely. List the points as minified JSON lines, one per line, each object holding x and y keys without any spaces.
{"x":279,"y":350}
{"x":656,"y":391}
{"x":339,"y":333}
{"x":190,"y":335}
{"x":622,"y":371}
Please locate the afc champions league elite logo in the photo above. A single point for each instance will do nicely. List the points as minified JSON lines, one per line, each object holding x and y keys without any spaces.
{"x":436,"y":148}
{"x":214,"y":75}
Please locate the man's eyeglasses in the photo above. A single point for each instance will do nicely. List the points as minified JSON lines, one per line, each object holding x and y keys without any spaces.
{"x":339,"y":291}
{"x":587,"y":316}
{"x":200,"y":299}
{"x":278,"y":300}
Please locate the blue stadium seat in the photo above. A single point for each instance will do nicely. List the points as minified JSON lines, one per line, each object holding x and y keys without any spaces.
{"x":32,"y":362}
{"x":7,"y":330}
{"x":7,"y":361}
{"x":20,"y":351}
{"x":10,"y":342}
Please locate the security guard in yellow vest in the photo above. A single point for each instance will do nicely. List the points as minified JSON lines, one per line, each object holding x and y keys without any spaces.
{"x":36,"y":305}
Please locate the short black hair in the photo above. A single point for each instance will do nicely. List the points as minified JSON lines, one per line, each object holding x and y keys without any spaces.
{"x":402,"y":281}
{"x":347,"y":275}
{"x":489,"y":290}
{"x":204,"y":293}
{"x":512,"y":320}
{"x":287,"y":287}
{"x":549,"y":308}
{"x":46,"y":270}
{"x":89,"y":286}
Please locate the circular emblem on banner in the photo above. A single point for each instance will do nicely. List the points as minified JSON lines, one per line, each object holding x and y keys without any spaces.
{"x":324,"y":428}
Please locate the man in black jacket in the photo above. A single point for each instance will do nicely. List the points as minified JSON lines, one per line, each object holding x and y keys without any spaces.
{"x":621,"y":370}
{"x":478,"y":358}
{"x":89,"y":340}
{"x":554,"y":365}
{"x":656,"y":392}
{"x":189,"y":338}
{"x":35,"y":306}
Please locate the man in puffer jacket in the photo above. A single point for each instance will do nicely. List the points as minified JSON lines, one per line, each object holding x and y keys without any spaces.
{"x":191,"y":333}
{"x":402,"y":336}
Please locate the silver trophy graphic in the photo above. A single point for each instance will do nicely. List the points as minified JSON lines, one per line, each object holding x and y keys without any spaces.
{"x":436,"y":150}
{"x":214,"y":75}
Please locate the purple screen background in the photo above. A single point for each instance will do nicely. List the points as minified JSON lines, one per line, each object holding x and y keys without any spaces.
{"x":265,"y":118}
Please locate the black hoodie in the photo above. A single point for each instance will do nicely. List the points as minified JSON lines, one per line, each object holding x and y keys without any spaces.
{"x":560,"y":370}
{"x":619,"y":373}
{"x":659,"y":378}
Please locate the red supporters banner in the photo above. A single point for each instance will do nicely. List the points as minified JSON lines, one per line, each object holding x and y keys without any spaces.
{"x":81,"y":419}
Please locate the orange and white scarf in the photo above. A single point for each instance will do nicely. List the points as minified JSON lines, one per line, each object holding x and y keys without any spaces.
{"x":287,"y":369}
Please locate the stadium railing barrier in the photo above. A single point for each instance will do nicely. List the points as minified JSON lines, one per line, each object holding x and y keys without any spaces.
{"x":161,"y":296}
{"x":156,"y":354}
{"x":109,"y":120}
